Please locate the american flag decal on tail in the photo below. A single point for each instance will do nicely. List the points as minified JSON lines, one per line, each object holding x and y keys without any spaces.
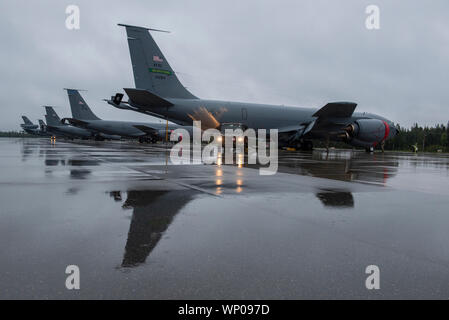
{"x":157,"y":59}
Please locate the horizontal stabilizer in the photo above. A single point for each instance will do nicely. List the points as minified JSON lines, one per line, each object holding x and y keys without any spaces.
{"x":143,"y":28}
{"x":75,"y":122}
{"x":336,"y":110}
{"x":146,"y":99}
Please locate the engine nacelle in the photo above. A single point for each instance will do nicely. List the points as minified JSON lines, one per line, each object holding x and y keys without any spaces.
{"x":367,"y":132}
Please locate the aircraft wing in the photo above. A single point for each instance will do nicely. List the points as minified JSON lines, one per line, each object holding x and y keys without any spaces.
{"x":291,"y":129}
{"x":328,"y":120}
{"x":331,"y":113}
{"x":293,"y":132}
{"x":336,"y":110}
{"x":148,"y":130}
{"x":331,"y":117}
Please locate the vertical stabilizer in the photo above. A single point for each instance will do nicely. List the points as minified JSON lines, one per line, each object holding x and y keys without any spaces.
{"x":27,"y":121}
{"x":52,"y":117}
{"x":80,"y":109}
{"x":150,"y":67}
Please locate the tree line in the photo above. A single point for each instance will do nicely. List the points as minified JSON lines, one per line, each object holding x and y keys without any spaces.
{"x":16,"y":134}
{"x":428,"y":139}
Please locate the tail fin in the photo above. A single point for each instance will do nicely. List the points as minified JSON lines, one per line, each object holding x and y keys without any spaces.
{"x":26,"y":120}
{"x":42,"y":124}
{"x":151,"y":70}
{"x":80,"y":109}
{"x":52,"y":117}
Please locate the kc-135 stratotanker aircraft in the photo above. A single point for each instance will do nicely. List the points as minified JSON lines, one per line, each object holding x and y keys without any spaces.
{"x":56,"y":128}
{"x":30,"y":127}
{"x":34,"y":129}
{"x":159,"y":93}
{"x":83,"y":117}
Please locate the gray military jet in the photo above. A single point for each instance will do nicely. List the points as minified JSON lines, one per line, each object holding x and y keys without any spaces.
{"x":159,"y":93}
{"x":29,"y":127}
{"x":83,"y":117}
{"x":42,"y":126}
{"x":34,"y":129}
{"x":56,"y":128}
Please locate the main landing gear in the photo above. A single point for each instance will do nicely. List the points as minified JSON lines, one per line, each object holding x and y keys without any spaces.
{"x":146,"y":140}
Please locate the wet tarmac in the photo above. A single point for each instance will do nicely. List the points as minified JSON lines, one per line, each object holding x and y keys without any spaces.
{"x":138,"y":227}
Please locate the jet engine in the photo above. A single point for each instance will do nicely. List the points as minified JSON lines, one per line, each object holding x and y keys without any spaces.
{"x":366,"y":132}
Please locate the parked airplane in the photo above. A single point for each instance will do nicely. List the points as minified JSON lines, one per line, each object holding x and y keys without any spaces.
{"x":159,"y":93}
{"x":56,"y":128}
{"x":31,"y":128}
{"x":42,"y":125}
{"x":28,"y":126}
{"x":83,"y":117}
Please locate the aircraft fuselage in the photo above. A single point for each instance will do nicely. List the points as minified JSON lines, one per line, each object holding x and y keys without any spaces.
{"x":124,"y":128}
{"x":256,"y":116}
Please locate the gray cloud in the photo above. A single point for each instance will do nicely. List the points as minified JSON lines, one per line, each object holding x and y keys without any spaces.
{"x":302,"y":53}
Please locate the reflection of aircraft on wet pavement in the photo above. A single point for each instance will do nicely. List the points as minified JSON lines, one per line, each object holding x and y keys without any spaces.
{"x":346,"y":166}
{"x":83,"y":117}
{"x":159,"y":93}
{"x":153,"y":212}
{"x":336,"y":198}
{"x":29,"y":148}
{"x":78,"y":166}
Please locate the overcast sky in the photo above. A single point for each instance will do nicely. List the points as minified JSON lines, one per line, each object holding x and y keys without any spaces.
{"x":299,"y":53}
